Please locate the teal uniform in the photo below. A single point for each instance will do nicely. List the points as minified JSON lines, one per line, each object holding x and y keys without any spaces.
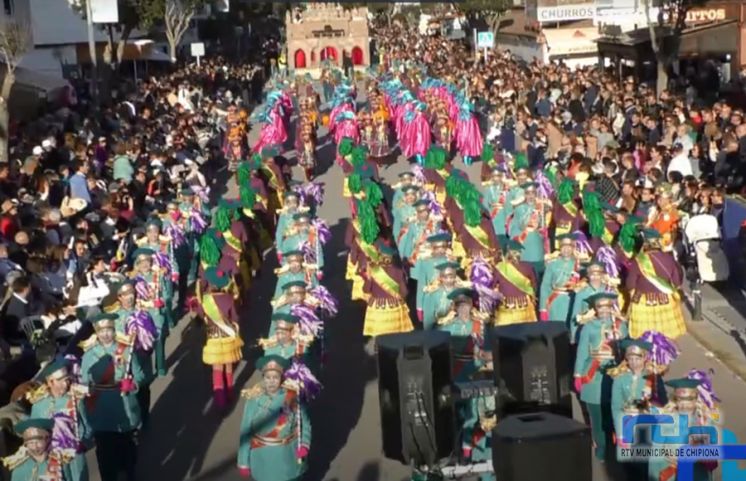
{"x":594,"y":356}
{"x":31,"y":470}
{"x":533,"y":241}
{"x":311,"y":281}
{"x":283,"y":309}
{"x":434,"y":306}
{"x":555,"y":296}
{"x":269,"y":436}
{"x":145,"y":360}
{"x":47,"y":407}
{"x":159,"y":319}
{"x":108,"y":410}
{"x":627,"y":390}
{"x":463,"y":346}
{"x":425,"y":272}
{"x":167,"y":285}
{"x":476,"y":437}
{"x":290,"y":350}
{"x":284,"y":221}
{"x":580,"y":306}
{"x":492,"y":196}
{"x":660,"y":467}
{"x":415,"y":236}
{"x":294,"y":242}
{"x":402,"y":215}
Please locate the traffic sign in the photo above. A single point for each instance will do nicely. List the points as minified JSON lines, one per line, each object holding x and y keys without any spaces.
{"x":485,"y":39}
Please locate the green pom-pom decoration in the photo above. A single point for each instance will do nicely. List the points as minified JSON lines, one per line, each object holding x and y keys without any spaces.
{"x":596,"y":223}
{"x":209,"y":252}
{"x":345,"y":146}
{"x":369,"y":228}
{"x":551,"y":174}
{"x":454,"y":186}
{"x":248,"y":197}
{"x":591,"y":201}
{"x":355,"y":183}
{"x":566,"y":191}
{"x":472,"y":213}
{"x":628,"y":236}
{"x":243,"y":173}
{"x":520,"y":161}
{"x":358,"y":156}
{"x":373,"y":193}
{"x":224,"y":218}
{"x":488,"y":152}
{"x":435,"y":158}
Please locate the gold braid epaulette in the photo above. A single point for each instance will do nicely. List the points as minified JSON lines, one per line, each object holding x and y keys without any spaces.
{"x":617,"y":371}
{"x":279,"y":301}
{"x":16,"y":459}
{"x":37,"y":394}
{"x":268,"y":342}
{"x":88,"y":343}
{"x":253,"y":392}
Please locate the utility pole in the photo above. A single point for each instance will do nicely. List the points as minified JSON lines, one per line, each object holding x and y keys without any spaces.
{"x":92,"y":53}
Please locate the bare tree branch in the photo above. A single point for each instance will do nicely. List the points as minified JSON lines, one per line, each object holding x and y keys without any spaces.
{"x":15,"y":41}
{"x":177,"y":15}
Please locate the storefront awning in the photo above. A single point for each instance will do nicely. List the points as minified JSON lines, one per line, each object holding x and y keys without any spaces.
{"x":133,"y":50}
{"x":563,"y":42}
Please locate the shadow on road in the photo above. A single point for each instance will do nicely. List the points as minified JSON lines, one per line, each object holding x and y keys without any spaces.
{"x":347,"y":367}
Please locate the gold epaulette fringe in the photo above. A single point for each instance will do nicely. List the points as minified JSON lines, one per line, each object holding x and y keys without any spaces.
{"x":253,"y":392}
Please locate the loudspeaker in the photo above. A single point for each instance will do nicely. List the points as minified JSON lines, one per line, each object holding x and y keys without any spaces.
{"x":418,"y":421}
{"x":532,"y":368}
{"x":531,"y":447}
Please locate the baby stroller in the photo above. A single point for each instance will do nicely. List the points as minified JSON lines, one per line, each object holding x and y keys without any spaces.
{"x":702,"y":241}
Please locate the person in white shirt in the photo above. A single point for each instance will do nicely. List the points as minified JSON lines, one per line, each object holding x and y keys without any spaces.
{"x":680,"y":162}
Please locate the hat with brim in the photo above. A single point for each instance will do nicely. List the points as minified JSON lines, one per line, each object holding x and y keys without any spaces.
{"x":386,"y":250}
{"x":217,"y":278}
{"x":142,"y":253}
{"x":636,"y":346}
{"x":272,"y":362}
{"x":528,"y":186}
{"x":685,"y":388}
{"x":124,"y":287}
{"x":410,"y":188}
{"x":104,"y":320}
{"x":293,"y":253}
{"x":422,"y":203}
{"x":514,"y":245}
{"x":300,"y":216}
{"x":291,"y":284}
{"x":442,"y":237}
{"x":56,"y":369}
{"x":403,"y":175}
{"x":154,"y":223}
{"x":461,"y":295}
{"x":448,"y":265}
{"x":566,"y":238}
{"x":596,"y":267}
{"x":187,"y":191}
{"x":600,"y":297}
{"x":42,"y":424}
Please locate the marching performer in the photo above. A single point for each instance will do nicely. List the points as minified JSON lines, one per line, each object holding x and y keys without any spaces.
{"x":425,"y":269}
{"x":559,"y":281}
{"x":436,"y":302}
{"x":36,"y":459}
{"x":528,"y":225}
{"x":275,"y":429}
{"x":517,"y":286}
{"x":222,"y":350}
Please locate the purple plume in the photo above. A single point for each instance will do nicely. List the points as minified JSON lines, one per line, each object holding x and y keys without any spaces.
{"x":197,"y":223}
{"x":433,"y":202}
{"x":163,"y":262}
{"x":706,"y":393}
{"x":311,"y":192}
{"x":488,"y":298}
{"x":302,"y":379}
{"x":581,"y":243}
{"x":607,"y":257}
{"x":202,"y":192}
{"x":482,"y":274}
{"x":544,"y":186}
{"x":141,"y":324}
{"x":664,"y":350}
{"x":327,"y":302}
{"x":309,"y":252}
{"x":322,"y":230}
{"x":176,"y":234}
{"x":64,"y":440}
{"x":419,"y":174}
{"x":142,"y":289}
{"x":308,"y":321}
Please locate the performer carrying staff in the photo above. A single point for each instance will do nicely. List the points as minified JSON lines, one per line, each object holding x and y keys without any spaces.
{"x":36,"y":460}
{"x":559,"y":282}
{"x":531,"y":216}
{"x":275,"y":428}
{"x":597,"y":350}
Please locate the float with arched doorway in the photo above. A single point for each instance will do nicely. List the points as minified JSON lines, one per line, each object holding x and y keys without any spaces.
{"x":329,"y":53}
{"x":357,"y":56}
{"x":300,"y":58}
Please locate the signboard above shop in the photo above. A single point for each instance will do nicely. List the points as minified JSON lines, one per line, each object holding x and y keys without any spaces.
{"x":565,"y":12}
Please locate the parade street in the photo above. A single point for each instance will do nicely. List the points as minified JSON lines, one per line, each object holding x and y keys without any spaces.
{"x":188,"y":440}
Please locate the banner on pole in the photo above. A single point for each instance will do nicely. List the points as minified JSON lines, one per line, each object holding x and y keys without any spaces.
{"x":198,"y":49}
{"x":104,"y":11}
{"x":485,"y":40}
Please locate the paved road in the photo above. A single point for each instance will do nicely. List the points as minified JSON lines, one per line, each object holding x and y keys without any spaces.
{"x":188,"y":440}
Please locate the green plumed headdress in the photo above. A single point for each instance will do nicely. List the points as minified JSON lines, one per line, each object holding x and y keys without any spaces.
{"x":209,"y":251}
{"x":366,"y":217}
{"x":373,"y":193}
{"x":358,"y":156}
{"x":488,"y":153}
{"x":224,"y":217}
{"x":566,"y":191}
{"x":247,"y":195}
{"x":628,"y":235}
{"x":520,"y":161}
{"x":355,"y":183}
{"x":593,"y":209}
{"x":345,"y":146}
{"x":435,"y":158}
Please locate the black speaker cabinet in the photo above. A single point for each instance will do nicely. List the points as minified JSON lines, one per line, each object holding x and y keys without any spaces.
{"x":532,"y":368}
{"x":417,"y":417}
{"x":539,"y":446}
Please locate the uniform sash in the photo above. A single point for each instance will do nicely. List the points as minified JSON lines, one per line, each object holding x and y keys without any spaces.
{"x":516,"y":277}
{"x":213,"y":312}
{"x":479,"y":235}
{"x":233,"y":241}
{"x":648,"y":270}
{"x":383,"y":279}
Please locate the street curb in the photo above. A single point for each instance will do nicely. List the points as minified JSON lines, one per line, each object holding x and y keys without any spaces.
{"x":696,"y":330}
